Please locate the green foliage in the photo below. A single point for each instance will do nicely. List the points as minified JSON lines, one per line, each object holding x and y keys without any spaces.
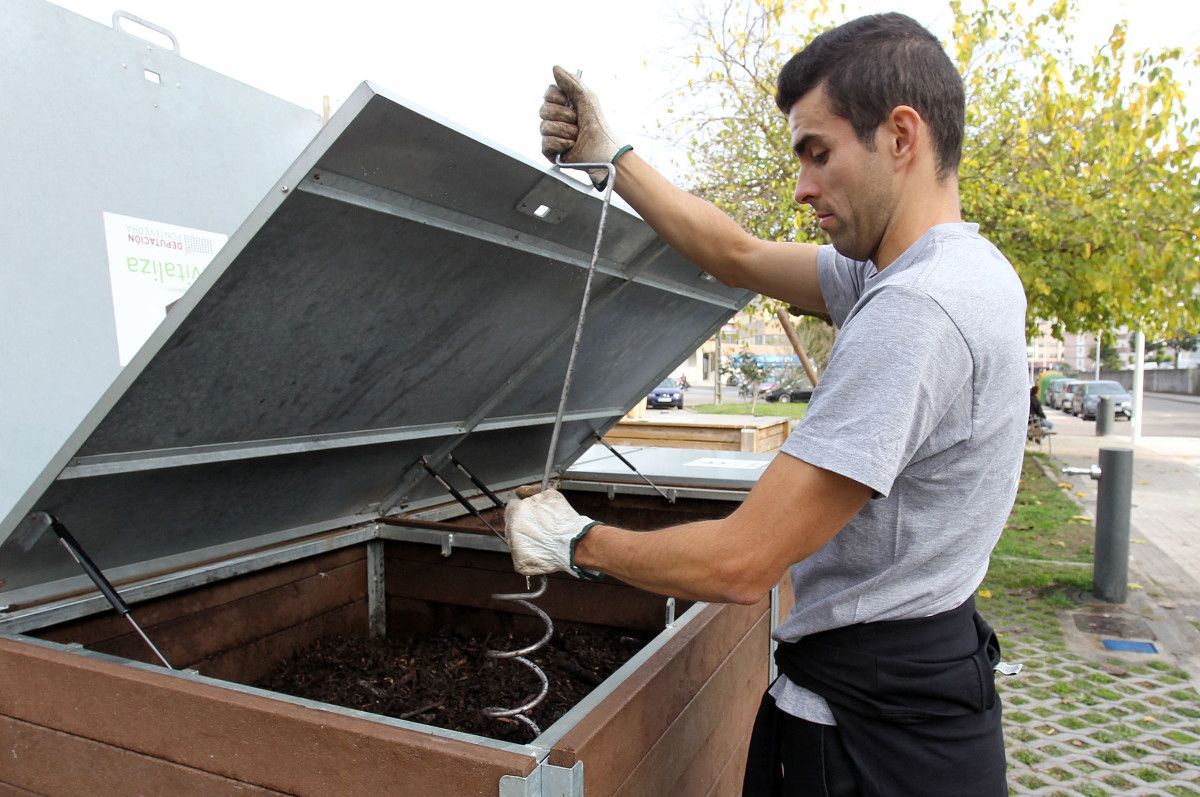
{"x":1083,"y":171}
{"x":1110,"y":357}
{"x":1178,"y":342}
{"x":739,"y":151}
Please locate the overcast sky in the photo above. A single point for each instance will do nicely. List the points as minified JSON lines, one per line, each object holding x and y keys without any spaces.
{"x":484,"y":65}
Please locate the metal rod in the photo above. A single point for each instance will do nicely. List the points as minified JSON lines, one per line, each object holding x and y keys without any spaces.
{"x":476,"y":482}
{"x":587,"y":290}
{"x":632,"y":467}
{"x":102,"y":583}
{"x":149,"y":644}
{"x":450,"y":488}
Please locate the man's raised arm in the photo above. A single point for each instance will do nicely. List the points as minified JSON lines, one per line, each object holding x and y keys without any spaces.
{"x":574,"y":127}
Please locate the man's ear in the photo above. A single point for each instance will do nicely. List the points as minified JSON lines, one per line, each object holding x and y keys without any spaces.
{"x":903,"y":133}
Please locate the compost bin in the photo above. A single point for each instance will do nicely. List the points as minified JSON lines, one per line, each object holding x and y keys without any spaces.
{"x":256,"y":481}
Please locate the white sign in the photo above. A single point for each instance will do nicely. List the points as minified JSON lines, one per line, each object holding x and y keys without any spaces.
{"x":150,"y":265}
{"x":735,"y":464}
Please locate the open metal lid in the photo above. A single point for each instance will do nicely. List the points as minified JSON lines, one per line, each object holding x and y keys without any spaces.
{"x":406,"y":289}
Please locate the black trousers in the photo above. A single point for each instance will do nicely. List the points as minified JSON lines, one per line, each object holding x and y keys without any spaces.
{"x":810,"y":758}
{"x":915,"y":702}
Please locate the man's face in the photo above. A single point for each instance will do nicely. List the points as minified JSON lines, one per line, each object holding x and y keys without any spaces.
{"x":851,"y":188}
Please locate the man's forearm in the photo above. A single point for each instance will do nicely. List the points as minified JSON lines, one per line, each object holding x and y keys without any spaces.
{"x":693,"y":561}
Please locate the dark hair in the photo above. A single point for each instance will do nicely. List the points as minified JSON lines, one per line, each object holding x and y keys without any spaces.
{"x":873,"y":64}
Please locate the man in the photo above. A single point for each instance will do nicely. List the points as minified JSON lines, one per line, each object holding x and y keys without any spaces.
{"x":889,"y":495}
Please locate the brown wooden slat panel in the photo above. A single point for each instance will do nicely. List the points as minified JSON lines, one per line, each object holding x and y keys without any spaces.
{"x":671,"y":431}
{"x":690,"y":755}
{"x":248,"y":663}
{"x":616,"y":734}
{"x":245,"y":737}
{"x":728,"y":782}
{"x":431,"y":556}
{"x":704,"y":445}
{"x":603,"y":603}
{"x":92,"y":630}
{"x":228,"y":626}
{"x":57,"y":763}
{"x":9,"y":790}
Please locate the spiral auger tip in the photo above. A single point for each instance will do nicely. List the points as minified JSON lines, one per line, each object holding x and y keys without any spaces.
{"x":521,"y":713}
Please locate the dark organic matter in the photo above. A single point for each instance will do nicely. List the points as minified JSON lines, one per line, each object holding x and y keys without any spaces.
{"x":445,"y":679}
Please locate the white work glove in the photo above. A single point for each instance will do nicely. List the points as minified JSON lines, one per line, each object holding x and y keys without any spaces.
{"x":573,"y":126}
{"x":542,"y":533}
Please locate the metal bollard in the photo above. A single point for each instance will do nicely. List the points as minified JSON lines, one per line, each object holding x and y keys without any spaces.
{"x":1110,"y":572}
{"x":1105,"y":416}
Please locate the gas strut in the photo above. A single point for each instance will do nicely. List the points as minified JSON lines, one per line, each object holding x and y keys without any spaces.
{"x":632,"y":467}
{"x":38,"y":523}
{"x":450,"y":488}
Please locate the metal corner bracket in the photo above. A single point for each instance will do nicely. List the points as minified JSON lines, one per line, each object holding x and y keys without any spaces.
{"x":546,"y":780}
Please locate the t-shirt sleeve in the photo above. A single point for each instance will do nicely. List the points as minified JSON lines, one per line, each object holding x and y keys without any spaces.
{"x":896,"y":368}
{"x":841,"y":281}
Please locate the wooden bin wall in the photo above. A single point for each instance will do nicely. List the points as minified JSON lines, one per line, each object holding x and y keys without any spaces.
{"x":81,"y":725}
{"x":85,"y":725}
{"x":238,"y":629}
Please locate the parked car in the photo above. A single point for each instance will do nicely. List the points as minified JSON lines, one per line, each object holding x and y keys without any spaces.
{"x":667,"y":394}
{"x":1056,"y":391}
{"x":785,"y":394}
{"x":1094,"y":391}
{"x":1071,"y":397}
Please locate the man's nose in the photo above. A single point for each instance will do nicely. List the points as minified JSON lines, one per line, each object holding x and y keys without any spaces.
{"x":806,"y":191}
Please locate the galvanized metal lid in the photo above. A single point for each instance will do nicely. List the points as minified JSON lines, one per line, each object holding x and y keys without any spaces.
{"x":406,"y":289}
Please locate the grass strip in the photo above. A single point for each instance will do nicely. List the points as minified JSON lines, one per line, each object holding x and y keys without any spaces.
{"x":771,"y":409}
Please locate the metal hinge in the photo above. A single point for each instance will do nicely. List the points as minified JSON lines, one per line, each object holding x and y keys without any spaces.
{"x":545,"y":781}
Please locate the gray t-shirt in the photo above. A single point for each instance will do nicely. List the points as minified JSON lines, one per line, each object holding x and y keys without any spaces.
{"x":924,"y":401}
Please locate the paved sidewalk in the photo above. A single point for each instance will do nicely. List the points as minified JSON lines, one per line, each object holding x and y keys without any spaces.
{"x":1166,"y":504}
{"x":1082,"y":720}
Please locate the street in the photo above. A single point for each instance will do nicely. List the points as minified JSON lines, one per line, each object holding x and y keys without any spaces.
{"x":1164,"y":415}
{"x":1171,"y":416}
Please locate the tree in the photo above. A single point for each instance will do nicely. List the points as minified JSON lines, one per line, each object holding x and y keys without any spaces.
{"x":750,"y":374}
{"x":1082,"y":170}
{"x":1179,"y":342}
{"x":1110,"y":357}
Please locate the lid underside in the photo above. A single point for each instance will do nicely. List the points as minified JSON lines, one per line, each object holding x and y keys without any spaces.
{"x":393,"y":296}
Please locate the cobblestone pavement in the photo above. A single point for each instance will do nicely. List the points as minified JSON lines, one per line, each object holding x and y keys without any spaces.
{"x":1081,"y":724}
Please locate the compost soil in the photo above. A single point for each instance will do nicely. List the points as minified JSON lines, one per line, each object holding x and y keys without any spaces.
{"x":446,"y":678}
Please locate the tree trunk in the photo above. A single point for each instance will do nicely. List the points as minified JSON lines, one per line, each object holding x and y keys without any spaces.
{"x":790,"y":331}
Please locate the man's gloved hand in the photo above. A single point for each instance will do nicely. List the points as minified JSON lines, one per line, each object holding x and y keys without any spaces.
{"x":542,"y":533}
{"x":573,"y":126}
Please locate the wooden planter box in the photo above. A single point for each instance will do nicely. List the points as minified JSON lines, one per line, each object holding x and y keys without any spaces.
{"x":82,"y":713}
{"x":714,"y":432}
